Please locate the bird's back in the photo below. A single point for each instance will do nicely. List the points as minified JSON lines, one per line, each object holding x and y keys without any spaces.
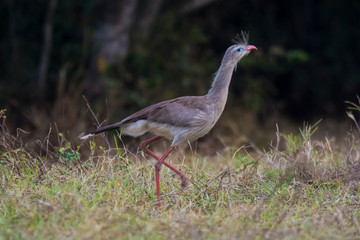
{"x":179,"y":119}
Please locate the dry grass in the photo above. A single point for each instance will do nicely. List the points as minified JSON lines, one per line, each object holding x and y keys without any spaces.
{"x":307,"y":190}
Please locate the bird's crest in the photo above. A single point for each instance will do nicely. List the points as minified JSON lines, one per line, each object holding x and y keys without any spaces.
{"x":241,"y":38}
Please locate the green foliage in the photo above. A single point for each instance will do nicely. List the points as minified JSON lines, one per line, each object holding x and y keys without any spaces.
{"x":66,"y":153}
{"x":301,"y":65}
{"x":68,"y":156}
{"x":297,"y":55}
{"x":355,"y":107}
{"x":293,"y":143}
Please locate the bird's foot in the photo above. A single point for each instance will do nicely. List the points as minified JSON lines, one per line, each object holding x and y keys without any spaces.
{"x":184,"y":182}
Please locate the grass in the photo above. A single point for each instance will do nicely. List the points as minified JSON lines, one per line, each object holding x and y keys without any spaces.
{"x":298,"y":189}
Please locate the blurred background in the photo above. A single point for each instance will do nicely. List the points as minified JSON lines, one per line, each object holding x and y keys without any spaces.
{"x":124,"y":55}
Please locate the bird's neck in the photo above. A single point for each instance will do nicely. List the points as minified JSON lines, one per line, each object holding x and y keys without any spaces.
{"x":217,"y":95}
{"x":220,"y":86}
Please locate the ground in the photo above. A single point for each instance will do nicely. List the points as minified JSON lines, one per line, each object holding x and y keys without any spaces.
{"x":307,"y":190}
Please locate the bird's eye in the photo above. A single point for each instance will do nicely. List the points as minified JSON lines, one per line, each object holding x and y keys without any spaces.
{"x":239,"y":50}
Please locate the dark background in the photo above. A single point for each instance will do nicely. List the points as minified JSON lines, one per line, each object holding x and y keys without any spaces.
{"x":124,"y":55}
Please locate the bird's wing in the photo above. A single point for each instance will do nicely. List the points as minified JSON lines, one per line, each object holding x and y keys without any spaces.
{"x":143,"y":114}
{"x":182,"y":112}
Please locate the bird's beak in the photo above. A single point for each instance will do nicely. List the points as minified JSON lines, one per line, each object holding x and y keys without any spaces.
{"x":251,"y":47}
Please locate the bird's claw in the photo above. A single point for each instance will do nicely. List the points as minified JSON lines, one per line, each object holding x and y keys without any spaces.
{"x":184,"y":182}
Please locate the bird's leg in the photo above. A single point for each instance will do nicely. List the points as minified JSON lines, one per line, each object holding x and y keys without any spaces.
{"x":157,"y":172}
{"x":143,"y":146}
{"x":146,"y":143}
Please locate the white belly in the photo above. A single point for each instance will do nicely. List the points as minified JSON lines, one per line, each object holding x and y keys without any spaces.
{"x":174,"y":133}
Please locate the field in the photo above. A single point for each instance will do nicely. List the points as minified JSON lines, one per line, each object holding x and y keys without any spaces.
{"x":298,"y":188}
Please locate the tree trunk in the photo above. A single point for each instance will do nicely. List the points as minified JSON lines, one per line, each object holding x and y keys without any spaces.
{"x":45,"y":56}
{"x":113,"y":36}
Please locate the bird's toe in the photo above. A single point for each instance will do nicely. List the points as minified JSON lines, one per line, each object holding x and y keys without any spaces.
{"x":184,"y":182}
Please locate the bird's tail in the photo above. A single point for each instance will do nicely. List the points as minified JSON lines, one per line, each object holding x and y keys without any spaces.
{"x":85,"y":135}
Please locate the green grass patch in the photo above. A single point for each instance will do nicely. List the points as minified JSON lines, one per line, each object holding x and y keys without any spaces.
{"x":307,"y":190}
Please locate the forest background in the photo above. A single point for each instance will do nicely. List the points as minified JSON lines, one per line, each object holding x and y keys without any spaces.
{"x":124,"y":55}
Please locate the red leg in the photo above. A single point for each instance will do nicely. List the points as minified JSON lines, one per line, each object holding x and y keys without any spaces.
{"x":157,"y":172}
{"x":143,"y":146}
{"x":160,"y":161}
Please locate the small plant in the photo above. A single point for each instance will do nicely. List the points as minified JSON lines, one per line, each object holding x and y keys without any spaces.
{"x":121,"y":153}
{"x":15,"y":155}
{"x":293,"y":143}
{"x":355,"y":107}
{"x":66,"y":153}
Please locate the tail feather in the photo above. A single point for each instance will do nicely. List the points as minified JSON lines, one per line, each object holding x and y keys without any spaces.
{"x":88,"y":134}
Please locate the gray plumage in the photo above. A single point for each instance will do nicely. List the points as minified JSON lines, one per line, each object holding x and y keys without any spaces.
{"x":185,"y":118}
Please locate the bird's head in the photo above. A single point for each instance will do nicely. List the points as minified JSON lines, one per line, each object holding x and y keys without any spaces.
{"x":239,"y":50}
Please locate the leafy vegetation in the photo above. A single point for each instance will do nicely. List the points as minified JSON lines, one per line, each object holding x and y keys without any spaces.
{"x":303,"y":68}
{"x":299,"y":189}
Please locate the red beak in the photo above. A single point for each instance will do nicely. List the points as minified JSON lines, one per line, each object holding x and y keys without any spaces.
{"x":251,"y":47}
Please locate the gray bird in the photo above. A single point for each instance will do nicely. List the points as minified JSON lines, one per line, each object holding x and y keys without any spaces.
{"x":185,"y":118}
